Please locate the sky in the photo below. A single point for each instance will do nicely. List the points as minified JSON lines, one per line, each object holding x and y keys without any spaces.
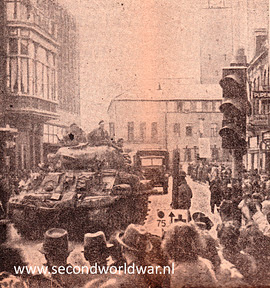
{"x":131,"y":44}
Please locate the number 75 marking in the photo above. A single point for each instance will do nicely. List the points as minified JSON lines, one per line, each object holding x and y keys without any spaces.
{"x":161,"y":223}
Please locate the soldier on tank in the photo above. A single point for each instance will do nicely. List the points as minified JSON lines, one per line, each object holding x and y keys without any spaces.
{"x":75,"y":136}
{"x":99,"y":136}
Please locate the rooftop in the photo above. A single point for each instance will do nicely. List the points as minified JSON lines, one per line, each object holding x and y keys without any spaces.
{"x":174,"y":92}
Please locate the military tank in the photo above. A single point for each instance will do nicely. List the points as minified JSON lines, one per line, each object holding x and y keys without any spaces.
{"x":81,"y":189}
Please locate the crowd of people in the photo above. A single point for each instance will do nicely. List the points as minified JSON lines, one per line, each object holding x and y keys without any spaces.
{"x":185,"y":256}
{"x":244,"y":208}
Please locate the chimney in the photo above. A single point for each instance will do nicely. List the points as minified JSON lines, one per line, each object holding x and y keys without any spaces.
{"x":260,"y":38}
{"x":240,"y":59}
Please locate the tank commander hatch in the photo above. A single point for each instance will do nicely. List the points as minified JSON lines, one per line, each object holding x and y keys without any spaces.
{"x":99,"y":136}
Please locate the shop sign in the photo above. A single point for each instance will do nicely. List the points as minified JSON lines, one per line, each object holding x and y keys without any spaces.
{"x":261,"y":94}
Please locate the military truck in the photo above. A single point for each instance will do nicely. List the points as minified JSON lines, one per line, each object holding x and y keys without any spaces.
{"x":154,"y":166}
{"x":81,"y":189}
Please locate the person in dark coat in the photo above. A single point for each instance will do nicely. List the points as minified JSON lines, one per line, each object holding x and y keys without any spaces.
{"x":99,"y":136}
{"x":135,"y":245}
{"x":181,"y":198}
{"x":216,"y":192}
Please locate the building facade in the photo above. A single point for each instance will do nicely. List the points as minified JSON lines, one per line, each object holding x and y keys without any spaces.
{"x":170,"y":120}
{"x":34,"y":40}
{"x":258,"y":156}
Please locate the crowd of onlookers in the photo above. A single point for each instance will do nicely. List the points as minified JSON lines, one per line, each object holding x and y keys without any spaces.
{"x":187,"y":255}
{"x":244,"y":208}
{"x":234,"y":253}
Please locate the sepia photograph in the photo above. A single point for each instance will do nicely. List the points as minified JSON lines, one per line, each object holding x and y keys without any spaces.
{"x":134,"y":143}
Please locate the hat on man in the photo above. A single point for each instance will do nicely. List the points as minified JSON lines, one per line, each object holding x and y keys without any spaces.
{"x":182,"y":173}
{"x":201,"y":219}
{"x":56,"y":242}
{"x":95,"y":242}
{"x":135,"y":238}
{"x":101,"y":121}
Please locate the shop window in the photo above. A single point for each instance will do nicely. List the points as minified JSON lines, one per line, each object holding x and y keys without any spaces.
{"x":51,"y":134}
{"x":265,"y":107}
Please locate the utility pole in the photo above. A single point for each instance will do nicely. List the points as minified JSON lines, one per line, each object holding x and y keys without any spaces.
{"x":235,"y":108}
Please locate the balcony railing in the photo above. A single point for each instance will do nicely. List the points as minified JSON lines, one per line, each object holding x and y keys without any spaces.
{"x":32,"y":106}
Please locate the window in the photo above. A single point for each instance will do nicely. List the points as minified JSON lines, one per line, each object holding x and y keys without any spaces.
{"x":130,"y":131}
{"x":11,"y":10}
{"x":111,"y":129}
{"x":24,"y":47}
{"x":142,"y":131}
{"x":13,"y":74}
{"x":188,"y":154}
{"x":179,"y":106}
{"x":204,"y":106}
{"x":193,"y":106}
{"x":186,"y":106}
{"x":154,"y":132}
{"x":214,"y":152}
{"x":176,"y":129}
{"x":52,"y":133}
{"x":256,"y":106}
{"x":13,"y":46}
{"x":24,"y":75}
{"x":265,"y":107}
{"x":214,"y":130}
{"x":214,"y":106}
{"x":189,"y":131}
{"x":152,"y":161}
